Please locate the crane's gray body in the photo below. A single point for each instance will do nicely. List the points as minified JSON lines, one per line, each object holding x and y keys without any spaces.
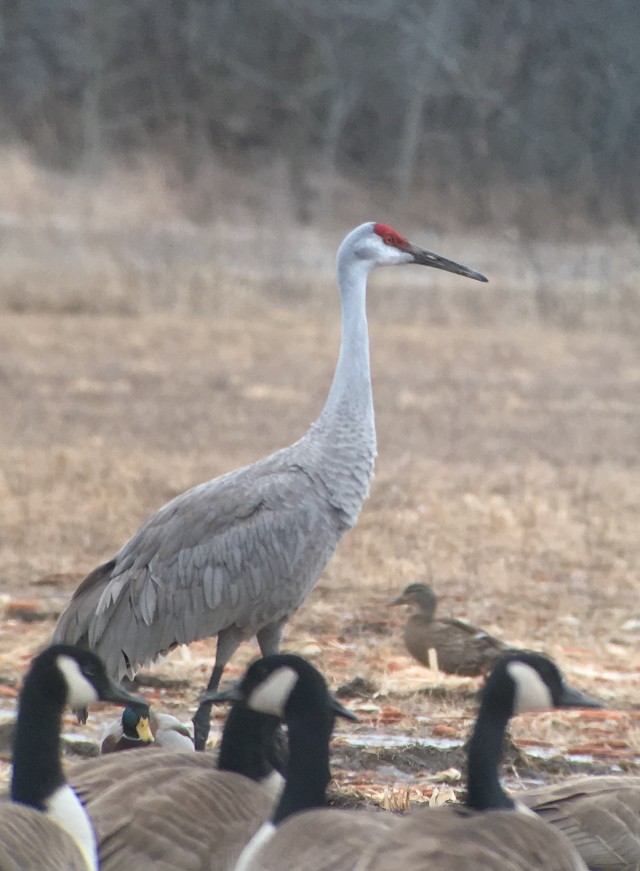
{"x":240,"y":552}
{"x":235,"y":557}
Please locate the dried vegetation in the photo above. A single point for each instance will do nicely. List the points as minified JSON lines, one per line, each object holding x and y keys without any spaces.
{"x":508,"y":474}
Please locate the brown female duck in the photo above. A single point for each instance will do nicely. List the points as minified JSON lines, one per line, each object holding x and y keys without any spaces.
{"x":460,"y":647}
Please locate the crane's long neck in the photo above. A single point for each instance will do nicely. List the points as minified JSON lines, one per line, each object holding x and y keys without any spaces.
{"x":350,"y":392}
{"x":346,"y":426}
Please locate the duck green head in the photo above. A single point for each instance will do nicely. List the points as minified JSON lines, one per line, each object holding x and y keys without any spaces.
{"x":135,"y":726}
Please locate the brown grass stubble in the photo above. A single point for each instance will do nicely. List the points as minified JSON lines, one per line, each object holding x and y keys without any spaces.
{"x":507,"y":476}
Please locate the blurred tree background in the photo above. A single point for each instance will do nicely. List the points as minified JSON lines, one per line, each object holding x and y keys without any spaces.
{"x":503,"y":113}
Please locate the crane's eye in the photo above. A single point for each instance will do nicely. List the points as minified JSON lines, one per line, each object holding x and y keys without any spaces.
{"x":389,"y":240}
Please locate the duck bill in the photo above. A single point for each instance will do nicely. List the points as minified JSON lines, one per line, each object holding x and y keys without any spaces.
{"x":427,"y":258}
{"x":573,"y":698}
{"x":399,"y":600}
{"x":144,"y":731}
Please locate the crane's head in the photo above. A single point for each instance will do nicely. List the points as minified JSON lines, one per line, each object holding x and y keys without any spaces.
{"x":380,"y":245}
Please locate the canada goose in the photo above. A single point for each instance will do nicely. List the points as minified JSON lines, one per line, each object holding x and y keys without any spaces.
{"x":45,"y":825}
{"x":288,"y":687}
{"x":460,"y":647}
{"x":171,"y":810}
{"x":599,"y":815}
{"x":134,"y":730}
{"x":238,"y":555}
{"x":447,"y":838}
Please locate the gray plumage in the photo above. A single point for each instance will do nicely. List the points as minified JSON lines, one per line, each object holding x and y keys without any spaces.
{"x":235,"y":557}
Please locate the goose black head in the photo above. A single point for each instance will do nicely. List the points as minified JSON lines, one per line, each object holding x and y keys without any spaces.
{"x":282,"y":685}
{"x":71,"y":675}
{"x":526,"y":681}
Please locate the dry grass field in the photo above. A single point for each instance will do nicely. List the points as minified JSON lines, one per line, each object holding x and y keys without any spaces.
{"x":508,"y":476}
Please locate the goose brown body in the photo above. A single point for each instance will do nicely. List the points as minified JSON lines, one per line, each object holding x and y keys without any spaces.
{"x":460,"y":647}
{"x":172,"y":818}
{"x":453,"y":839}
{"x":163,"y":809}
{"x":599,"y":815}
{"x":28,"y":839}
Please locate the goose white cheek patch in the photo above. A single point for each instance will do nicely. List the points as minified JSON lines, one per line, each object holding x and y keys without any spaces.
{"x":532,"y":693}
{"x":270,"y":697}
{"x":80,"y":692}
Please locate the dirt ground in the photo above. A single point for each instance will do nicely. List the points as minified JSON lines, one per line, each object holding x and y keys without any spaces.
{"x":508,"y":476}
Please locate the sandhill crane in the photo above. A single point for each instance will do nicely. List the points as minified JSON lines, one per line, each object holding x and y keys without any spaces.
{"x":236,"y":557}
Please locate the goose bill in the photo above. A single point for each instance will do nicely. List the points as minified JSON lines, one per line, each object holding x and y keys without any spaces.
{"x":573,"y":698}
{"x":230,"y":694}
{"x":234,"y":694}
{"x":119,"y":696}
{"x":339,"y":709}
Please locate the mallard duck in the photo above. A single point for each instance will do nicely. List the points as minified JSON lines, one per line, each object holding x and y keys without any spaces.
{"x":45,"y":826}
{"x":129,"y":732}
{"x":449,"y":838}
{"x":460,"y":647}
{"x":133,"y":730}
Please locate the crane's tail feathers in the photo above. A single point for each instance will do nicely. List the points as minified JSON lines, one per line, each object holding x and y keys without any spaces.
{"x":75,"y":620}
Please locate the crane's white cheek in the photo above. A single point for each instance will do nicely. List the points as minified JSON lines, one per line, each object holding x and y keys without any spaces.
{"x":270,"y":697}
{"x":80,"y":691}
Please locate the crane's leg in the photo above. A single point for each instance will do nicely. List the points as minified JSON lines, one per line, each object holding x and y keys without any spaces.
{"x":228,"y":642}
{"x":270,"y":637}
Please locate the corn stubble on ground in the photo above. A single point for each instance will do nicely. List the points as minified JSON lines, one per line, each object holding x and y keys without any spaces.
{"x":507,"y":477}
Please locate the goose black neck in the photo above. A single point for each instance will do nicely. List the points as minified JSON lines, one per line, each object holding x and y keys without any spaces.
{"x":249,"y":743}
{"x":308,"y":772}
{"x":37,"y":770}
{"x":484,"y":790}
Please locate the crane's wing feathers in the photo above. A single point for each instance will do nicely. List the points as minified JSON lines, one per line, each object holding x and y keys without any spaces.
{"x":242,"y":550}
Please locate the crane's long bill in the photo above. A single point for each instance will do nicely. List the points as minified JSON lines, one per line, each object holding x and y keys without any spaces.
{"x":426,"y":258}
